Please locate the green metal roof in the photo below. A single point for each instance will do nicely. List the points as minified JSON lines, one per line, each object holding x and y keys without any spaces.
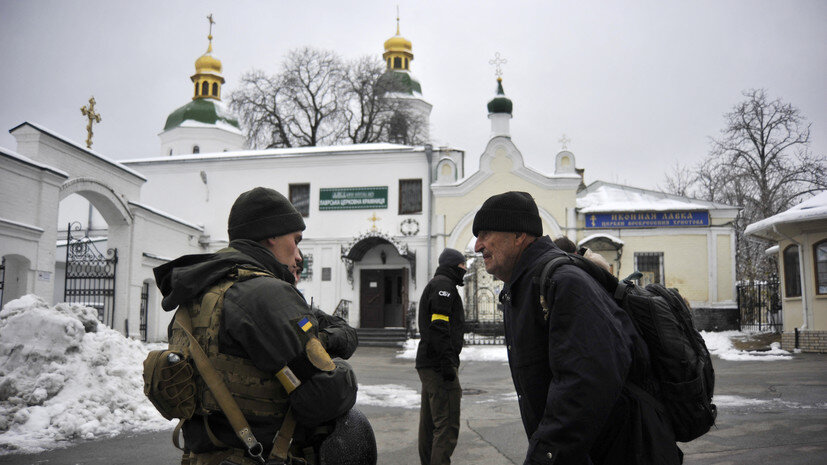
{"x":202,"y":110}
{"x":400,"y":82}
{"x":500,"y":103}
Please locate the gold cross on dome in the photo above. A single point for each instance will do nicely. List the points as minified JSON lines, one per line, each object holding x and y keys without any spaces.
{"x":498,"y":61}
{"x":564,"y":140}
{"x":209,"y":18}
{"x":90,"y":114}
{"x":373,"y":218}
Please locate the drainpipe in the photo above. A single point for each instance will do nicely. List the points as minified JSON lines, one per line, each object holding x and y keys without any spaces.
{"x":429,"y":155}
{"x":804,"y":306}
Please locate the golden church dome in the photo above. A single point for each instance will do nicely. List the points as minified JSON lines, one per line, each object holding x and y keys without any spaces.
{"x":207,"y":63}
{"x":397,"y":43}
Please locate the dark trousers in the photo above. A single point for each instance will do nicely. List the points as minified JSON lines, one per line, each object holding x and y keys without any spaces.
{"x":438,"y":417}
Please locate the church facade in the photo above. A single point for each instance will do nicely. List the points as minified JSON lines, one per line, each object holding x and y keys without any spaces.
{"x":377,"y":215}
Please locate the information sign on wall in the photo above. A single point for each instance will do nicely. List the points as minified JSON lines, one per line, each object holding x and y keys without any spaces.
{"x":353,"y":198}
{"x":673,"y":219}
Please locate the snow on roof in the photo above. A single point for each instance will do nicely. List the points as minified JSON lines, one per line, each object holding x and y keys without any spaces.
{"x":168,"y":216}
{"x":220,"y":124}
{"x":812,"y":209}
{"x":603,"y":197}
{"x":91,"y":152}
{"x":282,"y":152}
{"x":29,"y":161}
{"x":613,"y":239}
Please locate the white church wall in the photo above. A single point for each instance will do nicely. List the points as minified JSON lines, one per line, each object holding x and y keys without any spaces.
{"x":209,"y":139}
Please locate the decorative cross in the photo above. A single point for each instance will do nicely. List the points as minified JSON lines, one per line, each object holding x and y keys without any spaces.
{"x":498,"y":61}
{"x":564,"y":140}
{"x":93,"y":117}
{"x":374,"y":219}
{"x":209,"y":17}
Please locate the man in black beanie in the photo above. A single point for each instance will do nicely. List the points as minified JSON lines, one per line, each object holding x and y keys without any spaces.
{"x":570,"y":366}
{"x":441,"y":323}
{"x":272,"y":350}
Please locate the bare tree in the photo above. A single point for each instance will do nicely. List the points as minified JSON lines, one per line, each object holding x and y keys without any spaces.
{"x":762,"y":163}
{"x":317,"y":99}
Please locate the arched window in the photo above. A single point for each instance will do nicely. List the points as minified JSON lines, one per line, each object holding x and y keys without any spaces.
{"x":397,"y":63}
{"x":792,"y":272}
{"x":196,"y":149}
{"x":205,"y":88}
{"x":215,"y":89}
{"x":820,"y":260}
{"x":406,"y":63}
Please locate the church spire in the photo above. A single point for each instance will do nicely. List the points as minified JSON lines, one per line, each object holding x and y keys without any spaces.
{"x":207,"y":77}
{"x":398,"y":51}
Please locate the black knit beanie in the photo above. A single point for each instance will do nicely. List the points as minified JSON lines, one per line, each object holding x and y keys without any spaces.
{"x":451,"y":257}
{"x":511,"y":212}
{"x":261,"y":213}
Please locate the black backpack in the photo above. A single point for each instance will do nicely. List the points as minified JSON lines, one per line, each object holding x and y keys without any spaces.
{"x":680,"y":360}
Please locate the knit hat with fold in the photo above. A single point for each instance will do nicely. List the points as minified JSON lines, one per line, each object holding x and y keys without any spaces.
{"x":261,"y":213}
{"x":510,"y":212}
{"x":451,"y":257}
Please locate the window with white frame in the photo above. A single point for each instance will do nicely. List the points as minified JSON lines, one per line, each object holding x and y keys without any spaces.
{"x":650,"y":264}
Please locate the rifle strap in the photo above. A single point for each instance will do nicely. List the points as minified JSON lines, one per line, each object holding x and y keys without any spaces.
{"x":219,"y":389}
{"x":284,"y":437}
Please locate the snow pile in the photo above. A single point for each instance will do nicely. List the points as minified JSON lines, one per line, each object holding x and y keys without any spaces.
{"x":64,"y":376}
{"x":483,"y":353}
{"x":720,"y":344}
{"x":388,"y":395}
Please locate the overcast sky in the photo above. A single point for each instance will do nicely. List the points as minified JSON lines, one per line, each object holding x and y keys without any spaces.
{"x":637,"y":86}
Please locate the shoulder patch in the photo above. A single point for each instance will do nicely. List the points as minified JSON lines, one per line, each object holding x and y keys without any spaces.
{"x":444,"y":293}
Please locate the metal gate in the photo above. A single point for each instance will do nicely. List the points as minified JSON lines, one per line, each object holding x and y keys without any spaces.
{"x":2,"y":278}
{"x":144,"y":310}
{"x":759,"y":305}
{"x":90,"y":275}
{"x":483,"y":311}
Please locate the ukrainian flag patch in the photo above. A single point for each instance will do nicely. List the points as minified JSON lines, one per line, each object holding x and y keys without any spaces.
{"x":305,"y":324}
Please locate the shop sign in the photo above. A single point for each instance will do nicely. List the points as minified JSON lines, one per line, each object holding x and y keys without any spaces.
{"x":353,"y":198}
{"x":671,"y":219}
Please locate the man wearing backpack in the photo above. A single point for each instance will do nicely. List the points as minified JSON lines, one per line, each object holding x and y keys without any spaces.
{"x":270,"y":350}
{"x":570,"y":366}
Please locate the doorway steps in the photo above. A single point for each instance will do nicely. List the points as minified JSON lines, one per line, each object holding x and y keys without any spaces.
{"x":381,"y":337}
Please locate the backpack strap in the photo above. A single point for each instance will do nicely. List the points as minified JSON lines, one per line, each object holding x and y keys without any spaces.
{"x":604,"y":278}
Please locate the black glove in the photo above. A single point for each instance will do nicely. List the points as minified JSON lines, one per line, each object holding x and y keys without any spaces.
{"x":448,"y":371}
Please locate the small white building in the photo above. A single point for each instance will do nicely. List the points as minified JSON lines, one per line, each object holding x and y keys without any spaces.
{"x":801,"y":234}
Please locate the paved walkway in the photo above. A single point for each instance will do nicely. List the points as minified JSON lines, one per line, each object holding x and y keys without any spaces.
{"x":770,"y":413}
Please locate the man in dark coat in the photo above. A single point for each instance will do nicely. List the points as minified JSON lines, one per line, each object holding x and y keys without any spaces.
{"x":441,"y":321}
{"x":569,"y":371}
{"x":265,"y":326}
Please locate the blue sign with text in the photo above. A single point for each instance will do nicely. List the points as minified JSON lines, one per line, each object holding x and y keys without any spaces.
{"x":674,"y":219}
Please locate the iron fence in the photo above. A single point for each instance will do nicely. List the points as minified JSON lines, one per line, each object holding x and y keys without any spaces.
{"x":759,"y":305}
{"x":483,"y":311}
{"x":144,"y":310}
{"x":90,"y":275}
{"x":2,"y":278}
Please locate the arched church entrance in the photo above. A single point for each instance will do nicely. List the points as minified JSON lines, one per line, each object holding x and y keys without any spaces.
{"x":96,"y":224}
{"x":384,"y":268}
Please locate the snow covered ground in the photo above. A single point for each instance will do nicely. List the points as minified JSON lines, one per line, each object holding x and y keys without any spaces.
{"x":64,"y":376}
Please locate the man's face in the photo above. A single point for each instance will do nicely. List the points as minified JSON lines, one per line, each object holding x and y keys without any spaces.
{"x":286,"y":248}
{"x":500,"y":251}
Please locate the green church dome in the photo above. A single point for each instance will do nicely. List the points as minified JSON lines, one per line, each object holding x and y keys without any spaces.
{"x":500,"y":103}
{"x":202,"y":110}
{"x":400,"y":82}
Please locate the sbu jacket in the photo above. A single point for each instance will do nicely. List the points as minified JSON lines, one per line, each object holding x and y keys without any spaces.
{"x":260,"y":322}
{"x":441,"y":320}
{"x":569,"y":372}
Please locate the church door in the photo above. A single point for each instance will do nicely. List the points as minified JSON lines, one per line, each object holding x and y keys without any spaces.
{"x":382,"y":298}
{"x":371,"y":298}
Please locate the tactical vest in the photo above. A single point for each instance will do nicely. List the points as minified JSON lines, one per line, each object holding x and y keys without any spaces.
{"x":257,"y":392}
